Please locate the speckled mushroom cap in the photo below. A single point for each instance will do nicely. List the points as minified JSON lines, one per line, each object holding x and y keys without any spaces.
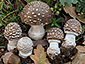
{"x":36,"y":13}
{"x":12,"y":31}
{"x":55,"y":33}
{"x":25,"y":45}
{"x":73,"y":25}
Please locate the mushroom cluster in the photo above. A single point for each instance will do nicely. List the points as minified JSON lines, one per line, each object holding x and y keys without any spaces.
{"x":12,"y":33}
{"x":37,"y":14}
{"x":72,"y":28}
{"x":54,"y":37}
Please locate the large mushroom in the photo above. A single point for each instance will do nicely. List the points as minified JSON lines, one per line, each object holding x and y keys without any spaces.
{"x":12,"y":33}
{"x":72,"y":28}
{"x":54,"y":37}
{"x":37,"y":14}
{"x":25,"y":47}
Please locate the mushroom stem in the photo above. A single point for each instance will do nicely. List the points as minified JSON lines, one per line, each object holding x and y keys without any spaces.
{"x":25,"y":55}
{"x":54,"y":44}
{"x":11,"y":45}
{"x":69,"y":41}
{"x":36,"y":32}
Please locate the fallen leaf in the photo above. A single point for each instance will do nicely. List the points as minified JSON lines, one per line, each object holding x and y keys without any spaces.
{"x":39,"y":56}
{"x":84,"y":43}
{"x":79,"y":58}
{"x":81,"y":49}
{"x":72,"y":12}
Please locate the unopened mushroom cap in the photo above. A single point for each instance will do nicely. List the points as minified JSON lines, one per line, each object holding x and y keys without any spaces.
{"x":12,"y":31}
{"x":55,"y":33}
{"x":36,"y":13}
{"x":73,"y":25}
{"x":25,"y":45}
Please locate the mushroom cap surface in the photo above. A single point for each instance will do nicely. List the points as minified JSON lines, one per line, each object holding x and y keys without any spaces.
{"x":36,"y":13}
{"x":25,"y":45}
{"x":73,"y":25}
{"x":12,"y":31}
{"x":55,"y":33}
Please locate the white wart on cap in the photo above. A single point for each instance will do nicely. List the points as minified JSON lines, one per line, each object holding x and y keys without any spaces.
{"x":12,"y":31}
{"x":73,"y":25}
{"x":36,"y":13}
{"x":55,"y":33}
{"x":25,"y":47}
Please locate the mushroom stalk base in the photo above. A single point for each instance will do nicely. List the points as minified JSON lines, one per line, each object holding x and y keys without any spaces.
{"x":25,"y":55}
{"x":69,"y":41}
{"x":53,"y":49}
{"x":11,"y":45}
{"x":36,"y":32}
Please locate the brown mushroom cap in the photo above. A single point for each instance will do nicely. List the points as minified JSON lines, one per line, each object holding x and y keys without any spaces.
{"x":36,"y":13}
{"x":55,"y":33}
{"x":73,"y":25}
{"x":12,"y":31}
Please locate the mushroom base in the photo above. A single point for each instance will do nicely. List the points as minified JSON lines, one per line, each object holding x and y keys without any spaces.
{"x":11,"y":45}
{"x":24,"y":55}
{"x":36,"y":32}
{"x":53,"y":49}
{"x":69,"y":41}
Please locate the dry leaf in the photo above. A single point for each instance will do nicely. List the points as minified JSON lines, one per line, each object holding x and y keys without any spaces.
{"x":81,"y":49}
{"x":84,"y":43}
{"x":72,"y":12}
{"x":79,"y":58}
{"x":39,"y":56}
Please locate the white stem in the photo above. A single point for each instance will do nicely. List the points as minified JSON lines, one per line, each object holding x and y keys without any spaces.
{"x":11,"y":44}
{"x":36,"y":32}
{"x":53,"y":48}
{"x":25,"y":55}
{"x":69,"y":41}
{"x":54,"y":44}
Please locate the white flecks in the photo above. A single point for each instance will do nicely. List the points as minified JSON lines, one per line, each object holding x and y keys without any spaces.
{"x":55,"y":30}
{"x":38,"y":13}
{"x":28,"y":12}
{"x":46,"y":11}
{"x":35,"y":15}
{"x":38,"y":19}
{"x":10,"y":33}
{"x":28,"y":16}
{"x":25,"y":16}
{"x":34,"y":21}
{"x":13,"y":34}
{"x":53,"y":33}
{"x":30,"y":20}
{"x":41,"y":23}
{"x":18,"y":30}
{"x":47,"y":33}
{"x":32,"y":12}
{"x":42,"y":15}
{"x":52,"y":30}
{"x":36,"y":9}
